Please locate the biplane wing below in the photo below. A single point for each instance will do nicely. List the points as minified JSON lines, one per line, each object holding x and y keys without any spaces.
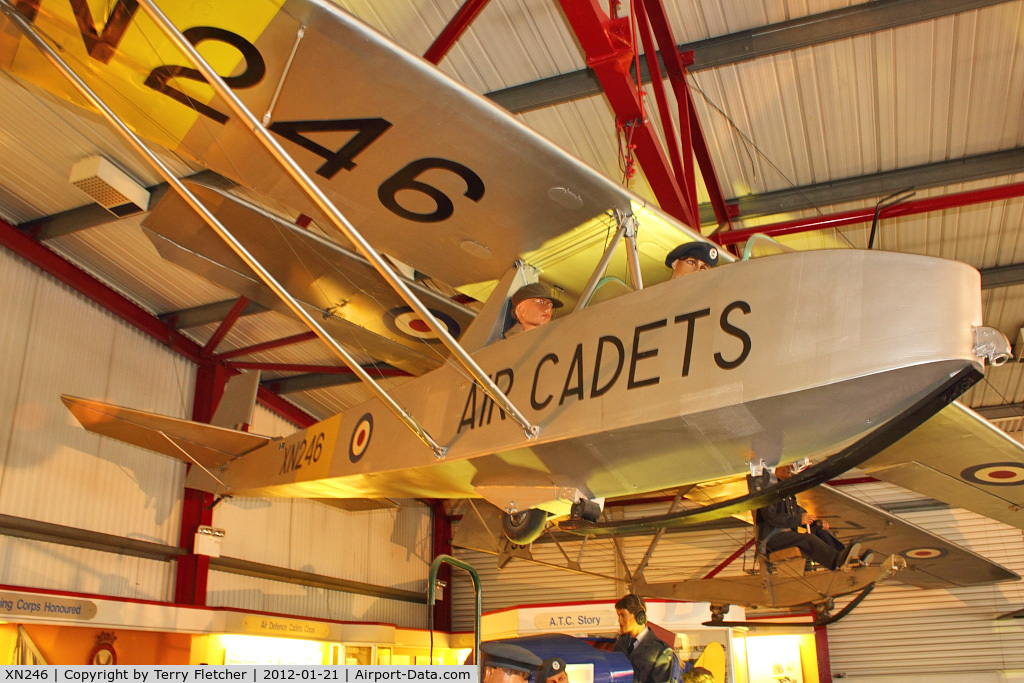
{"x":676,"y":384}
{"x":338,"y":285}
{"x":961,"y":459}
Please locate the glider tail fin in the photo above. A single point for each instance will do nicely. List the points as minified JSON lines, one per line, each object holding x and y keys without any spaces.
{"x":238,"y":402}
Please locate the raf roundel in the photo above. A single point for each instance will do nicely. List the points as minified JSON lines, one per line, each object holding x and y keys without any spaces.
{"x":713,"y":253}
{"x":923,"y":553}
{"x":360,"y":438}
{"x":995,"y":474}
{"x":406,"y":322}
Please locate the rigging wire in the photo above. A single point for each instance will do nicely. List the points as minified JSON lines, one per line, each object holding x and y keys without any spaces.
{"x":750,"y":144}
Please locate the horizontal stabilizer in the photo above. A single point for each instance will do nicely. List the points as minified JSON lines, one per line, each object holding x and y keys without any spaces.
{"x":193,"y":442}
{"x":958,"y":457}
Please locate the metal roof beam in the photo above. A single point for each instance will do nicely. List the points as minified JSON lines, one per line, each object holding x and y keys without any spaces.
{"x":981,"y":166}
{"x":1001,"y":412}
{"x":225,"y":326}
{"x":1002,"y":276}
{"x":315,"y":377}
{"x":606,"y":43}
{"x":94,"y":215}
{"x":312,"y":380}
{"x":207,"y":314}
{"x":746,"y":45}
{"x":453,"y":31}
{"x":866,"y":215}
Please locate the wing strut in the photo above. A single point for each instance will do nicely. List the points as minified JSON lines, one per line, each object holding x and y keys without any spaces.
{"x":80,"y":85}
{"x":627,"y":232}
{"x":336,"y":217}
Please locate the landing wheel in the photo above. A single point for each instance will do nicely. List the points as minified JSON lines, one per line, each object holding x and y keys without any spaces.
{"x":718,"y":613}
{"x":524,"y":527}
{"x":822,"y":610}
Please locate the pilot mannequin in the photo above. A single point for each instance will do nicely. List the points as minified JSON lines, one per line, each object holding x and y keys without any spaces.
{"x":531,"y":307}
{"x":777,"y":526}
{"x":507,"y":663}
{"x":650,"y":656}
{"x":691,"y":257}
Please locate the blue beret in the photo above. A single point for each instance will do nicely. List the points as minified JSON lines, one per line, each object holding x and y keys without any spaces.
{"x":510,"y":656}
{"x":699,"y":250}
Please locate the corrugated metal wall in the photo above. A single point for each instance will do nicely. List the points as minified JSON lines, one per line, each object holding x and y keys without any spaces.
{"x":36,"y":564}
{"x":265,"y":595}
{"x":53,"y":342}
{"x":932,"y":633}
{"x":388,"y":547}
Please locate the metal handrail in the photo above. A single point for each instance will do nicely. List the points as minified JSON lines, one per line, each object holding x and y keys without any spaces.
{"x":431,"y":598}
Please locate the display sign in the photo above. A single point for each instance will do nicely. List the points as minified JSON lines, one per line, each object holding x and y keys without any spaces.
{"x":294,"y":628}
{"x":45,"y":606}
{"x":575,"y":618}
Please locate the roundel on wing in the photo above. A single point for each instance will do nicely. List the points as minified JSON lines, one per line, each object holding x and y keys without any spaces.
{"x":923,"y":553}
{"x":407,"y":323}
{"x":995,"y":474}
{"x":360,"y":440}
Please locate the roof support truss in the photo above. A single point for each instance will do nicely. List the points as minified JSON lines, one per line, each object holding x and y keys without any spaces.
{"x":610,"y":49}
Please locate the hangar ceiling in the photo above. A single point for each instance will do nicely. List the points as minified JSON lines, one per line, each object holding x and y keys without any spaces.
{"x":810,"y":108}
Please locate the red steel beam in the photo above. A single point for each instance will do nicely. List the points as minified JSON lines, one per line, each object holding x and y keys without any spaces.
{"x":691,"y":133}
{"x":651,"y":14}
{"x":266,"y":346}
{"x":729,"y":560}
{"x":683,"y":170}
{"x":454,"y":30}
{"x":442,"y":545}
{"x":225,"y":326}
{"x":821,"y":650}
{"x":610,"y":52}
{"x":193,"y":570}
{"x":909,"y":208}
{"x":275,"y":403}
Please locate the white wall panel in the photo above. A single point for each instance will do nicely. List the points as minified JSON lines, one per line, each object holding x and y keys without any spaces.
{"x":53,"y":342}
{"x":35,"y":564}
{"x":389,"y":547}
{"x":244,"y":592}
{"x":56,"y":471}
{"x":267,"y":423}
{"x":521,"y":583}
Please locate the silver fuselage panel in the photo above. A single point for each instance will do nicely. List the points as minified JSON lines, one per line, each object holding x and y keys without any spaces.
{"x":776,"y":358}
